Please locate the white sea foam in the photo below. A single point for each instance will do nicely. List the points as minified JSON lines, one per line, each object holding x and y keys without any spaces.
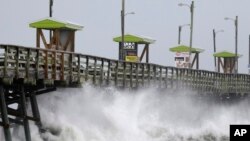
{"x":107,"y":114}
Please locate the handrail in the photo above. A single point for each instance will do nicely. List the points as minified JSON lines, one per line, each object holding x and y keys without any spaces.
{"x":37,"y":63}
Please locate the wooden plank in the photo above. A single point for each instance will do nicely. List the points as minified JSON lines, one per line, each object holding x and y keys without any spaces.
{"x":109,"y":70}
{"x":46,"y":65}
{"x":102,"y":72}
{"x":94,"y":79}
{"x":27,"y":66}
{"x":131,"y":75}
{"x":147,"y":53}
{"x":17,"y":62}
{"x":54,"y":65}
{"x":124,"y":74}
{"x":70,"y":68}
{"x":137,"y":75}
{"x":37,"y":64}
{"x":149,"y":74}
{"x":38,"y":33}
{"x":87,"y":68}
{"x":116,"y":73}
{"x":62,"y":67}
{"x":79,"y":69}
{"x":5,"y":61}
{"x":160,"y":77}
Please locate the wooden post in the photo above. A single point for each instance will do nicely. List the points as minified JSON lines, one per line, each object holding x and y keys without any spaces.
{"x":79,"y":68}
{"x":87,"y":68}
{"x":177,"y":77}
{"x":147,"y":53}
{"x":154,"y":71}
{"x":219,"y":64}
{"x":24,"y":114}
{"x":27,"y":65}
{"x":116,"y":72}
{"x":38,"y":32}
{"x":131,"y":74}
{"x":172,"y":77}
{"x":37,"y":64}
{"x":17,"y":62}
{"x":149,"y":75}
{"x":62,"y":66}
{"x":137,"y":73}
{"x":73,"y":41}
{"x":70,"y":68}
{"x":109,"y":69}
{"x":46,"y":65}
{"x":120,"y":52}
{"x":160,"y":77}
{"x":5,"y":60}
{"x":197,"y":61}
{"x":102,"y":72}
{"x":94,"y":79}
{"x":124,"y":75}
{"x":35,"y":110}
{"x":54,"y":65}
{"x":143,"y":74}
{"x":4,"y":115}
{"x":166,"y":77}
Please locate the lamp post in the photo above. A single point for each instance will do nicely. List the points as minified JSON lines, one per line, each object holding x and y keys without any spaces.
{"x":214,"y":39}
{"x":236,"y":41}
{"x":179,"y":33}
{"x":191,"y":7}
{"x":50,"y":15}
{"x":123,"y":14}
{"x":50,"y":7}
{"x":122,"y":22}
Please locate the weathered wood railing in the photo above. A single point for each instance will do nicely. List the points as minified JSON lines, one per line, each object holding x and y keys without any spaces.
{"x":33,"y":64}
{"x":27,"y":72}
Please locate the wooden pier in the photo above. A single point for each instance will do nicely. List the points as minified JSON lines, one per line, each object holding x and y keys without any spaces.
{"x":26,"y":72}
{"x":50,"y":67}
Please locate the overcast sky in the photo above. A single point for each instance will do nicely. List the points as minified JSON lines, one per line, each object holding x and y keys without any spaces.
{"x":158,"y":19}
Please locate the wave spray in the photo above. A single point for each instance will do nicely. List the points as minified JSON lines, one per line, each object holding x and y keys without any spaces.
{"x":108,"y":114}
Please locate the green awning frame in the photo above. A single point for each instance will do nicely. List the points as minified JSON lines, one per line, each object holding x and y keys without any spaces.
{"x":129,"y":38}
{"x":51,"y":23}
{"x":225,"y":54}
{"x":183,"y":48}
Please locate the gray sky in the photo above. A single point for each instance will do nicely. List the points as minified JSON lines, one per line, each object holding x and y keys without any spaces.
{"x":158,"y":19}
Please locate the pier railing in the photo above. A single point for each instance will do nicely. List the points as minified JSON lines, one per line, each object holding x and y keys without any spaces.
{"x":26,"y":72}
{"x":32,"y":64}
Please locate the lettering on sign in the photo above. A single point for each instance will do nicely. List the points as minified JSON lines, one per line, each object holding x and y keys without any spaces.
{"x":239,"y":132}
{"x":129,"y":46}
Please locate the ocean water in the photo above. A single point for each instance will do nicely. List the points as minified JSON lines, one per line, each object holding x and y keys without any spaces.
{"x":108,"y":114}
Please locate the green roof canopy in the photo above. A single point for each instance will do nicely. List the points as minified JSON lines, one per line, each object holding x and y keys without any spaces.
{"x":51,"y":23}
{"x":183,"y":48}
{"x":225,"y":54}
{"x":134,"y":39}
